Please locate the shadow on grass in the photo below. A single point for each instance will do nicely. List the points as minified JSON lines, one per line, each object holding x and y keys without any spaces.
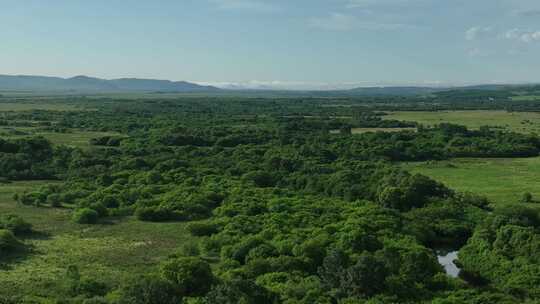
{"x":35,"y":235}
{"x":22,"y":251}
{"x":110,"y":220}
{"x":9,"y":259}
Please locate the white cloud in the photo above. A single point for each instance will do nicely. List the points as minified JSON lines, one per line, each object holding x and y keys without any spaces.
{"x":334,"y":22}
{"x":477,"y":52}
{"x":525,"y":36}
{"x":528,"y":13}
{"x":284,"y":85}
{"x":370,"y":3}
{"x":252,"y":5}
{"x":315,"y":86}
{"x":477,"y":32}
{"x":343,"y":22}
{"x":515,"y":34}
{"x":360,"y":3}
{"x":523,"y":8}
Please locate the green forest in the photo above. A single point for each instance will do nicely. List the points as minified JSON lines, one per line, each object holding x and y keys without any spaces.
{"x":207,"y":200}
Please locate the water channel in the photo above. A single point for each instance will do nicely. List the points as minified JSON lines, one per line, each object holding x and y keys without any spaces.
{"x":446,"y":259}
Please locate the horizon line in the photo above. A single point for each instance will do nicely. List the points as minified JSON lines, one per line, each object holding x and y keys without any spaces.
{"x":285,"y":85}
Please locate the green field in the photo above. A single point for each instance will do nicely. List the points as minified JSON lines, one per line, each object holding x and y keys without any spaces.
{"x":503,"y":181}
{"x":73,"y":137}
{"x":527,"y":98}
{"x":523,"y":122}
{"x":26,"y":106}
{"x":365,"y":130}
{"x":108,"y":253}
{"x":76,"y":138}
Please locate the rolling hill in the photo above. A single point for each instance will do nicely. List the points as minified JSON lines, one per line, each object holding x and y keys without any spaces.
{"x":91,"y":84}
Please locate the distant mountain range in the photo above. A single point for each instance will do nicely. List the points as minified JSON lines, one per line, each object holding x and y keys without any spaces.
{"x":85,"y":84}
{"x":90,"y":84}
{"x":411,"y":90}
{"x":374,"y":91}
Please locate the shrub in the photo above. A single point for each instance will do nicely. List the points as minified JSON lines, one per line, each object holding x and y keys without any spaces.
{"x":260,"y":178}
{"x":190,"y":275}
{"x":155,"y":214}
{"x":518,"y":215}
{"x":83,"y":286}
{"x":110,"y":201}
{"x":85,"y":216}
{"x":239,"y":291}
{"x":99,"y":208}
{"x":190,"y":249}
{"x":474,"y":199}
{"x":149,"y":290}
{"x":8,"y":241}
{"x":54,"y":200}
{"x":95,"y":300}
{"x":15,"y":224}
{"x":88,"y":287}
{"x":33,"y":198}
{"x":527,"y":198}
{"x":202,"y":228}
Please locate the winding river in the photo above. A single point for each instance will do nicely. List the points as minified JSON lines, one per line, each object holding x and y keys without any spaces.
{"x":446,"y":259}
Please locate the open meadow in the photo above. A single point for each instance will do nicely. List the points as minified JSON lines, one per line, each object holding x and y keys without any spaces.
{"x":522,"y":122}
{"x":501,"y":180}
{"x":110,"y":252}
{"x":31,"y":106}
{"x":73,"y":137}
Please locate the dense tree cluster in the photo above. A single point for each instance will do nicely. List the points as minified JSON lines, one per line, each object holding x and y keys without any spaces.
{"x":284,"y":209}
{"x":26,"y":159}
{"x":503,"y":252}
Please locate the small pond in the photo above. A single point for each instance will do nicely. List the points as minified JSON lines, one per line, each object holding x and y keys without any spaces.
{"x":446,"y":259}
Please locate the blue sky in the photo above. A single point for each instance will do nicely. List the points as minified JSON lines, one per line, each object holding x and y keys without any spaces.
{"x":289,"y":44}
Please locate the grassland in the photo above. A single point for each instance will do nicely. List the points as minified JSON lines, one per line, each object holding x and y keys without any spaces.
{"x":527,"y":98}
{"x":366,"y":130}
{"x":503,"y":181}
{"x":523,"y":122}
{"x":73,"y":137}
{"x":76,"y":138}
{"x":108,"y":253}
{"x":27,"y":106}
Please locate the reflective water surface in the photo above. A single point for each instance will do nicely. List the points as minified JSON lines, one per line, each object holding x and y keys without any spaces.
{"x":446,"y":259}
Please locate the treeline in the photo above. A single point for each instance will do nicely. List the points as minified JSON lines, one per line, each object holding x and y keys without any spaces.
{"x":442,"y":142}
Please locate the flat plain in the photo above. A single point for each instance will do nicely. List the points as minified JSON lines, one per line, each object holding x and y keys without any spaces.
{"x":73,"y":137}
{"x":522,"y":122}
{"x":502,"y":180}
{"x":31,"y":106}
